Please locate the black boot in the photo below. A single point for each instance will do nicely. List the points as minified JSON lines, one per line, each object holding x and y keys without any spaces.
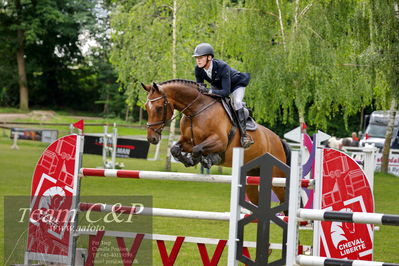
{"x":246,"y":140}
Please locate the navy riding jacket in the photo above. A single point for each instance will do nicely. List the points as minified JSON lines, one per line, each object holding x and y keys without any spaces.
{"x":225,"y":79}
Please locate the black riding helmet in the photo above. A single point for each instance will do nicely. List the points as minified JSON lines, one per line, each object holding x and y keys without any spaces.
{"x":203,"y":49}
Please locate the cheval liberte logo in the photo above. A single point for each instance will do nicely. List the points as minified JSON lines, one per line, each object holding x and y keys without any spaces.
{"x":342,"y":237}
{"x":345,"y":189}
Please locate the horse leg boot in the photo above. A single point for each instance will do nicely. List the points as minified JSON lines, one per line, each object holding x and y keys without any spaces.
{"x":211,"y":159}
{"x":176,"y":152}
{"x":246,"y":140}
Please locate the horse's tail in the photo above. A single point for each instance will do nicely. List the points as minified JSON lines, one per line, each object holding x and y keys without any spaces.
{"x":287,"y":151}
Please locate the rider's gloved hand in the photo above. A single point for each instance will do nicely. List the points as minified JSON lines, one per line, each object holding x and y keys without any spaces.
{"x":212,"y":89}
{"x":202,"y":88}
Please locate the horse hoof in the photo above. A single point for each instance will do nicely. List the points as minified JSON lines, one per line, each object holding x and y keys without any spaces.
{"x":175,"y":151}
{"x":206,"y":162}
{"x":206,"y":165}
{"x":215,"y":159}
{"x":189,"y":162}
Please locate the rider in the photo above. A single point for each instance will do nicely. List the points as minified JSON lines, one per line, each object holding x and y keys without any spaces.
{"x":225,"y":81}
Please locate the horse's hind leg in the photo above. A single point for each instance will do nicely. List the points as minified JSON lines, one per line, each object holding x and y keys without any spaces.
{"x":210,"y":149}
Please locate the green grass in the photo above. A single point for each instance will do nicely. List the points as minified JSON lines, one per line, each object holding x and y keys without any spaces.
{"x":18,"y":165}
{"x":10,"y":110}
{"x":64,"y":129}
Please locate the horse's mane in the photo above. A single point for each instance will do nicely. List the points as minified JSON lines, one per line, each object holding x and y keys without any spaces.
{"x":182,"y":81}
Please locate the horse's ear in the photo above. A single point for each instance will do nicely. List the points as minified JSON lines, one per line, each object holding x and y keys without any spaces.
{"x":146,"y":87}
{"x":155,"y":86}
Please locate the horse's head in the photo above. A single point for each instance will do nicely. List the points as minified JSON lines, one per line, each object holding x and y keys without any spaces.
{"x":159,"y":110}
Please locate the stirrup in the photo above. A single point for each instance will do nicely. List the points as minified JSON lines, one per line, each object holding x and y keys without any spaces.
{"x":246,"y":141}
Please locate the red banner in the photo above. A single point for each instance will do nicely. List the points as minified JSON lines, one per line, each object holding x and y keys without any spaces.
{"x":51,"y":201}
{"x":346,"y":189}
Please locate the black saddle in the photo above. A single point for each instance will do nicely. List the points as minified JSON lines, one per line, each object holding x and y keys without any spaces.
{"x":250,"y":122}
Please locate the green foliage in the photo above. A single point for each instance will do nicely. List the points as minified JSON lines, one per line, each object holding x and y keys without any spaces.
{"x":56,"y":71}
{"x":110,"y":95}
{"x":383,"y":19}
{"x":311,"y":72}
{"x":323,"y":61}
{"x":315,"y":69}
{"x":140,"y":44}
{"x":142,"y":38}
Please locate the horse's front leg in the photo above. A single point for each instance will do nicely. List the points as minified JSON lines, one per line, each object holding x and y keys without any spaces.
{"x":176,"y":151}
{"x":185,"y":158}
{"x":209,"y":151}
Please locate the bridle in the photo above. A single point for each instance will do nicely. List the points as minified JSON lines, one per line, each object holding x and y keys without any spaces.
{"x":165,"y":112}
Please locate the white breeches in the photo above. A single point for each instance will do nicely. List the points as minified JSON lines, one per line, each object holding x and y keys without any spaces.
{"x":236,"y":98}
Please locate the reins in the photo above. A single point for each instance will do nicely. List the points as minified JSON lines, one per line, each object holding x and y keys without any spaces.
{"x":194,"y":115}
{"x":165,"y":110}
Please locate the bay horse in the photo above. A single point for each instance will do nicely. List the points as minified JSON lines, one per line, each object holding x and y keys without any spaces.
{"x":205,"y":128}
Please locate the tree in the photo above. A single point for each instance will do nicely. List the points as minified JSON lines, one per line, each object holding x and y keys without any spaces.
{"x":112,"y":96}
{"x":302,"y":60}
{"x":44,"y":37}
{"x":153,"y":42}
{"x":13,"y":27}
{"x":384,"y":52}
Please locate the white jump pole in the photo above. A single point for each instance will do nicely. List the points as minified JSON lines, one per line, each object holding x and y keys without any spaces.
{"x":111,"y":150}
{"x":157,"y":152}
{"x":157,"y":175}
{"x":105,"y":146}
{"x":162,"y":212}
{"x":76,"y":198}
{"x":15,"y":140}
{"x":320,"y":261}
{"x":114,"y":145}
{"x":318,"y":171}
{"x":349,"y":217}
{"x":369,"y":164}
{"x":235,"y":209}
{"x":294,"y":200}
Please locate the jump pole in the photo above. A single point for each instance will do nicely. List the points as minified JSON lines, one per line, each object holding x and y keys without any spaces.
{"x":110,"y":150}
{"x":292,"y":235}
{"x":162,"y":212}
{"x":156,"y":175}
{"x":235,"y":209}
{"x":76,"y":197}
{"x":349,"y":217}
{"x":320,"y":261}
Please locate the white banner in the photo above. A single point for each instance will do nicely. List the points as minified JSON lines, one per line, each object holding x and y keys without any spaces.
{"x":393,"y":166}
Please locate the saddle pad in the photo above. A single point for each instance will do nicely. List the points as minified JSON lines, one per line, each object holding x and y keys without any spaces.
{"x":250,"y":123}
